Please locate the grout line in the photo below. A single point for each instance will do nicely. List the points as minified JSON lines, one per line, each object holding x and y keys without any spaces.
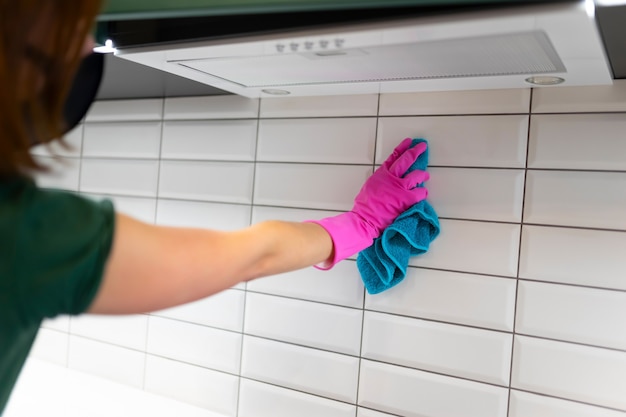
{"x":550,"y":339}
{"x":154,"y":221}
{"x":318,"y":163}
{"x":158,"y":184}
{"x":568,"y":399}
{"x":302,"y":391}
{"x":519,"y":251}
{"x":245,"y":297}
{"x":358,"y":379}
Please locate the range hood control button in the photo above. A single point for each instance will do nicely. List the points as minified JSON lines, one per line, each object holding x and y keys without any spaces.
{"x":339,"y":42}
{"x":280,"y":47}
{"x":324,"y":44}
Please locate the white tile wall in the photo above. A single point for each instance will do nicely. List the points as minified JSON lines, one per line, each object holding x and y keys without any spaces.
{"x":122,"y":140}
{"x":524,"y":404}
{"x":583,"y":199}
{"x":347,"y":141}
{"x":195,"y":344}
{"x":120,"y":364}
{"x":477,"y":354}
{"x":574,"y":141}
{"x":318,"y":325}
{"x":413,"y":393}
{"x":230,"y":140}
{"x":322,"y":373}
{"x":132,"y":177}
{"x":188,"y":180}
{"x":460,"y":141}
{"x":516,"y":311}
{"x":126,"y":331}
{"x":263,"y":400}
{"x":213,"y":390}
{"x":582,"y":373}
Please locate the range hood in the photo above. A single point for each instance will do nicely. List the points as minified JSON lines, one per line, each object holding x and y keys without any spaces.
{"x":546,"y":44}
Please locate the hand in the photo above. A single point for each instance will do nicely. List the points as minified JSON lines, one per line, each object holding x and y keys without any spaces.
{"x":389,"y":192}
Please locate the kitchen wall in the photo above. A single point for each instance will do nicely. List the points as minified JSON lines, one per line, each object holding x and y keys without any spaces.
{"x":519,"y":308}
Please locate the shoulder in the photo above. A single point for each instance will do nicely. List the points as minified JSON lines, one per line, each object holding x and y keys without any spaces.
{"x":53,"y":246}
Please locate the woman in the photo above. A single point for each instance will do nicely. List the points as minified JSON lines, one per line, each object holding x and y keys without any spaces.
{"x":61,"y":254}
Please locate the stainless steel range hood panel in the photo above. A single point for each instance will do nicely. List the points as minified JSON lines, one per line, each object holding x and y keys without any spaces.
{"x":511,"y":54}
{"x":497,"y":49}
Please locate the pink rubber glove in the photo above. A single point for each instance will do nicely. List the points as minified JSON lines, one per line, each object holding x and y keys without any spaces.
{"x":384,"y":196}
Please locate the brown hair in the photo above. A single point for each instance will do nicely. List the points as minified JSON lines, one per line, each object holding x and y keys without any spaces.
{"x":41,"y":43}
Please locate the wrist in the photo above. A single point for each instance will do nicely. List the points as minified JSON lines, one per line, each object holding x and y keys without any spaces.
{"x":350,"y":234}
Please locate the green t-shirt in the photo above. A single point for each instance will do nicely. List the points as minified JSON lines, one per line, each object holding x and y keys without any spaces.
{"x":53,"y":250}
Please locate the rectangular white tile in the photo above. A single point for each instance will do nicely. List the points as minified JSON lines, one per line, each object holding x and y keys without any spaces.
{"x":211,"y":107}
{"x":320,"y":106}
{"x":524,"y":404}
{"x":597,"y":98}
{"x":195,"y":344}
{"x":125,"y":110}
{"x":477,"y":354}
{"x":578,"y":141}
{"x":413,"y":393}
{"x":63,"y":173}
{"x":574,"y":256}
{"x":140,"y":208}
{"x":51,"y":346}
{"x":229,"y":182}
{"x":341,"y":285}
{"x":456,"y":102}
{"x":583,"y":199}
{"x":122,"y":140}
{"x":212,"y":390}
{"x":307,"y":185}
{"x":588,"y":374}
{"x":126,"y":331}
{"x":471,"y":141}
{"x":575,"y":314}
{"x":217,"y":216}
{"x":483,"y":248}
{"x":115,"y":363}
{"x":339,"y":141}
{"x":453,"y":297}
{"x":327,"y":374}
{"x":477,"y":194}
{"x":262,"y":400}
{"x":71,"y":146}
{"x":333,"y":328}
{"x":222,"y":140}
{"x":223,"y":310}
{"x":117,"y":176}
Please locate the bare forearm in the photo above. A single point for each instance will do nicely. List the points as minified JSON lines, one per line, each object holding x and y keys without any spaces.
{"x":152,"y":268}
{"x":284,"y":246}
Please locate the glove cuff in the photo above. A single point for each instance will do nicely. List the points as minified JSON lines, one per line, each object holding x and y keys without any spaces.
{"x":350,"y":234}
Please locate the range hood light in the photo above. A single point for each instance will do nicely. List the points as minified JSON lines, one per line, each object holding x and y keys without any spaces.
{"x":544,"y":80}
{"x":107,"y":48}
{"x":276,"y":92}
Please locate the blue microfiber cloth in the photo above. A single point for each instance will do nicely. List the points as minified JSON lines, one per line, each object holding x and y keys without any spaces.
{"x":383,"y":265}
